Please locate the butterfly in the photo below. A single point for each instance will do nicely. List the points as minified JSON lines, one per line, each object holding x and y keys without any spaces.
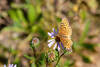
{"x":65,"y":33}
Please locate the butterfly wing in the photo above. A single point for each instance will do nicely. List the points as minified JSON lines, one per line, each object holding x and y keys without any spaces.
{"x":65,"y":33}
{"x":67,"y":43}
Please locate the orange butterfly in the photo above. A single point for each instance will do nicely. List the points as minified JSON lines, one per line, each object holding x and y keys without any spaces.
{"x":64,"y":34}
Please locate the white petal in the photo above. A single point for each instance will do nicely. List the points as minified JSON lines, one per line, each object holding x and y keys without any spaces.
{"x":49,"y":34}
{"x":10,"y":65}
{"x":55,"y":46}
{"x":51,"y":40}
{"x":53,"y":29}
{"x":51,"y":43}
{"x":4,"y":65}
{"x":58,"y":48}
{"x":15,"y":65}
{"x":52,"y":36}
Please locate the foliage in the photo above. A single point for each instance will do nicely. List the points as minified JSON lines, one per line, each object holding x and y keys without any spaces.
{"x":34,"y":18}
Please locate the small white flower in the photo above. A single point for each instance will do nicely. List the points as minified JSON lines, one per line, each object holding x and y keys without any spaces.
{"x":52,"y":41}
{"x":35,"y":40}
{"x":10,"y":65}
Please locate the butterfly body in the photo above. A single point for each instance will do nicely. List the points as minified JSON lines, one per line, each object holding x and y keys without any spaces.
{"x":65,"y":33}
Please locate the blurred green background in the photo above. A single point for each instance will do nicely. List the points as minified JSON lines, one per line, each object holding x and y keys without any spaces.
{"x":22,"y":20}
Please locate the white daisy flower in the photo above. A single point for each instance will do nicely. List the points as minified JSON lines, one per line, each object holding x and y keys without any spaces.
{"x":53,"y":41}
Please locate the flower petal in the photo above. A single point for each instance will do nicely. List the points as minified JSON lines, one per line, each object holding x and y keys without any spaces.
{"x":58,"y":48}
{"x":58,"y":44}
{"x":52,"y":36}
{"x":51,"y":40}
{"x":52,"y":29}
{"x":15,"y":65}
{"x":51,"y":43}
{"x":10,"y":65}
{"x":49,"y":34}
{"x":4,"y":65}
{"x":62,"y":45}
{"x":55,"y":46}
{"x":55,"y":33}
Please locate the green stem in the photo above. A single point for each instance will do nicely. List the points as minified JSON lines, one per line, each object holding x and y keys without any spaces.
{"x":34,"y":50}
{"x":59,"y":58}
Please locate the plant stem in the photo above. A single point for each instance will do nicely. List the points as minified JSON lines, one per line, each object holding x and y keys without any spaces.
{"x":9,"y":59}
{"x":59,"y":59}
{"x":34,"y":50}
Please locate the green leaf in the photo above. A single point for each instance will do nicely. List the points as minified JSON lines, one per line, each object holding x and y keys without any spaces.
{"x":21,"y":16}
{"x":86,"y":59}
{"x":32,"y":14}
{"x":16,"y":61}
{"x":13,"y":15}
{"x":76,"y":47}
{"x":12,"y":51}
{"x":33,"y":65}
{"x":28,"y":57}
{"x":34,"y":28}
{"x":83,"y":14}
{"x":28,"y":1}
{"x":41,"y":60}
{"x":14,"y":28}
{"x":68,"y":63}
{"x":42,"y":33}
{"x":90,"y":47}
{"x":18,"y":6}
{"x":85,"y":32}
{"x":58,"y":19}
